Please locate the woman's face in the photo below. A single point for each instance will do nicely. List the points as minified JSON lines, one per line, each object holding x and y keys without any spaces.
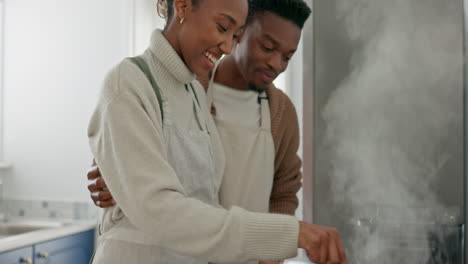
{"x":209,"y":30}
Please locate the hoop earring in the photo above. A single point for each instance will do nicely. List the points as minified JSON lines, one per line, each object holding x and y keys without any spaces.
{"x":162,"y":8}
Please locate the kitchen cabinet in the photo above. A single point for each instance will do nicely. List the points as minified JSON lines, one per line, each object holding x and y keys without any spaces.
{"x":72,"y":249}
{"x":17,"y":256}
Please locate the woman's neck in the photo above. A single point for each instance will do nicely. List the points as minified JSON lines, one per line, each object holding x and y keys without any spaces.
{"x":170,"y":34}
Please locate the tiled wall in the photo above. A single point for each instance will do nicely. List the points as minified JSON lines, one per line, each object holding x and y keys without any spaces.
{"x":48,"y":209}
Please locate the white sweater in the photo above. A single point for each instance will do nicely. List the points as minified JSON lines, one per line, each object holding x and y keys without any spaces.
{"x":154,"y":208}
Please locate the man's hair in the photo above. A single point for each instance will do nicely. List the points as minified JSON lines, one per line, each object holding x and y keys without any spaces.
{"x":295,"y":11}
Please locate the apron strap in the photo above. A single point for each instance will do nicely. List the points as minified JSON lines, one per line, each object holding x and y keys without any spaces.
{"x":264,"y":101}
{"x":210,"y":91}
{"x":197,"y":108}
{"x":141,"y":63}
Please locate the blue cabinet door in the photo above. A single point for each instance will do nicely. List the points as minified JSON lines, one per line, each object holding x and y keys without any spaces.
{"x":17,"y":256}
{"x":74,"y":249}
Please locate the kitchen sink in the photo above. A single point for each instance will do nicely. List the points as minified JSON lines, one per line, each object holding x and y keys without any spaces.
{"x":17,"y":227}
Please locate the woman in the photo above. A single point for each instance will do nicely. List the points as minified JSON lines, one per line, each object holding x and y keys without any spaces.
{"x":159,"y":152}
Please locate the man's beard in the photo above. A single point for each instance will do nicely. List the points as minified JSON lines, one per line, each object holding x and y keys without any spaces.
{"x":253,"y":87}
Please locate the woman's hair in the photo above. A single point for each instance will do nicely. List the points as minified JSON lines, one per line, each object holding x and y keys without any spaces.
{"x":166,"y":8}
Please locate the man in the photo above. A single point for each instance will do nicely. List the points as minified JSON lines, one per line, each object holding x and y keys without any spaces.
{"x":257,"y":123}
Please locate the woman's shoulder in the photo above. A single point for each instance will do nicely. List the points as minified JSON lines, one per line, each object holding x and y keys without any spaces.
{"x":125,"y":77}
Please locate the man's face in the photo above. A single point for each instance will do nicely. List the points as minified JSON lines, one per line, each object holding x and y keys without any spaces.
{"x":265,"y":48}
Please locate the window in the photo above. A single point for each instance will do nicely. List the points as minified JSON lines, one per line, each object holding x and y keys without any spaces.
{"x":143,"y":19}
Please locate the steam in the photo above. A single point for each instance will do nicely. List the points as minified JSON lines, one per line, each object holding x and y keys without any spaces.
{"x":389,"y":125}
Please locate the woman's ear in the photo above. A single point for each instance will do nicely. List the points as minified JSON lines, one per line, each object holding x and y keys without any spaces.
{"x":182,"y":8}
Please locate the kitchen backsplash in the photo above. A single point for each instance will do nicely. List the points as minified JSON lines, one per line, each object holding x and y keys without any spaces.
{"x":48,"y":209}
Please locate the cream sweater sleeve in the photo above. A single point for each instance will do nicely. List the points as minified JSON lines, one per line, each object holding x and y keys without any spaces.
{"x":129,"y":148}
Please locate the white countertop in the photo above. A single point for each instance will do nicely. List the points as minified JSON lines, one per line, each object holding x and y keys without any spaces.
{"x":8,"y":243}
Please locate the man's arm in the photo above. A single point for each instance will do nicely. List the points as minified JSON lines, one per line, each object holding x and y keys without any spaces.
{"x":288,"y":177}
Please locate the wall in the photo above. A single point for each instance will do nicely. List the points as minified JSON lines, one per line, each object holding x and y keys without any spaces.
{"x":2,"y":159}
{"x":57,"y":54}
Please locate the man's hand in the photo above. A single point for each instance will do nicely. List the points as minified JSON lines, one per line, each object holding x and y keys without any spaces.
{"x":98,"y":188}
{"x":321,"y":243}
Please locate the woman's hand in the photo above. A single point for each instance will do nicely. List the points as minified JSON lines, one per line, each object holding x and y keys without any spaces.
{"x":321,"y":243}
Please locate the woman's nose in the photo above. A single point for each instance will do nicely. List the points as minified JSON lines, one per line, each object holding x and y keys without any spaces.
{"x":227,"y":45}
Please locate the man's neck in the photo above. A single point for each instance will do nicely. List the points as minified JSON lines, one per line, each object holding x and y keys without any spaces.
{"x":228,"y":74}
